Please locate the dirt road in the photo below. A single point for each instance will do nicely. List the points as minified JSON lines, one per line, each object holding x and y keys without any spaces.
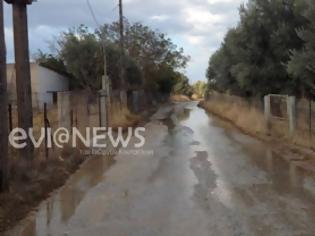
{"x":195,"y":177}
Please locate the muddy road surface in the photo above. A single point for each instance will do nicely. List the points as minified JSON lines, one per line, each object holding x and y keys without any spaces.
{"x":194,"y":176}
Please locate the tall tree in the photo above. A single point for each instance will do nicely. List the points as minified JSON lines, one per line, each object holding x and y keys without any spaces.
{"x":150,"y":49}
{"x":200,"y":88}
{"x":302,"y":64}
{"x":252,"y":59}
{"x":151,"y":60}
{"x":80,"y":50}
{"x":182,"y":85}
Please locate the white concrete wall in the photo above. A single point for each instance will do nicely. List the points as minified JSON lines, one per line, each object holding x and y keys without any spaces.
{"x":43,"y":80}
{"x":49,"y":81}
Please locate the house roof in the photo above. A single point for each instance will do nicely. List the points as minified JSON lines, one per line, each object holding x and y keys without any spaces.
{"x":36,"y":64}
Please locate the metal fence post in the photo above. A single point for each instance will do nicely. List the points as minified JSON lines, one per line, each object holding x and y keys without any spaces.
{"x":99,"y":110}
{"x":291,"y":108}
{"x":46,"y":123}
{"x":310,"y":119}
{"x":267,"y":111}
{"x":76,"y":117}
{"x":10,"y":117}
{"x":71,"y":120}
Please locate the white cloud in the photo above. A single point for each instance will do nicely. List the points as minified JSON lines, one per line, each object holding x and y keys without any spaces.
{"x":221,"y":1}
{"x":199,"y":16}
{"x":160,"y":17}
{"x":195,"y":40}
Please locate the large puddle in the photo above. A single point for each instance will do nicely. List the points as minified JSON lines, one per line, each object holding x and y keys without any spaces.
{"x":203,"y":179}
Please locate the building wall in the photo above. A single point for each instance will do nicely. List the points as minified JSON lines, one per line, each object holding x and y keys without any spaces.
{"x":48,"y":82}
{"x":43,"y":81}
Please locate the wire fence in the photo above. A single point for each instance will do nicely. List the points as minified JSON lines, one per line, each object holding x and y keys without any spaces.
{"x":79,"y":109}
{"x":305,"y":119}
{"x":302,"y":118}
{"x":279,"y":112}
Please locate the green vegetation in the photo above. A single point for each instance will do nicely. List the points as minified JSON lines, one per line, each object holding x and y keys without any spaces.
{"x":200,"y":88}
{"x":301,"y":66}
{"x":270,"y":51}
{"x":151,"y":59}
{"x":182,"y":86}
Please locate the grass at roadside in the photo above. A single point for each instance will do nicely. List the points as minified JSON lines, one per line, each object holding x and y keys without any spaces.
{"x":124,"y":118}
{"x":180,"y":98}
{"x":43,"y":177}
{"x":248,"y":119}
{"x":35,"y":184}
{"x":251,"y":121}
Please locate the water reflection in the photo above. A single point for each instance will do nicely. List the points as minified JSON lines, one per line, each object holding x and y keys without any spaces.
{"x":202,"y":174}
{"x":61,"y":207}
{"x":184,"y":115}
{"x":289,"y":177}
{"x":252,"y":182}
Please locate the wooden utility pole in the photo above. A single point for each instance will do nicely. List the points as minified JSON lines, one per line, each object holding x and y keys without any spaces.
{"x":104,"y":93}
{"x":23,"y":74}
{"x":123,"y":94}
{"x":4,"y":173}
{"x":121,"y":27}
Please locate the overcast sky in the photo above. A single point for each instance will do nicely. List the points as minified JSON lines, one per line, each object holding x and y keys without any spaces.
{"x":196,"y":25}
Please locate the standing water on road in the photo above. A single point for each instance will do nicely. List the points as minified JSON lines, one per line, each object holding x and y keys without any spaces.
{"x":203,"y":179}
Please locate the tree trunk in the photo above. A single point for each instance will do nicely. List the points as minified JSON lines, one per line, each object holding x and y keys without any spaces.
{"x":4,"y":173}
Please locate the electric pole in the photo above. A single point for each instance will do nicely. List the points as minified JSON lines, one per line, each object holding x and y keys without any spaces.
{"x":4,"y":170}
{"x":23,"y":74}
{"x":123,"y":93}
{"x":105,"y":93}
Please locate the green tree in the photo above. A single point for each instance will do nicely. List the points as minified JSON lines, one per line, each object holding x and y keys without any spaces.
{"x":302,"y":64}
{"x":182,"y":85}
{"x":252,"y":59}
{"x":151,"y":50}
{"x":151,"y":59}
{"x":52,"y":62}
{"x":200,"y":88}
{"x":134,"y":76}
{"x":80,"y":50}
